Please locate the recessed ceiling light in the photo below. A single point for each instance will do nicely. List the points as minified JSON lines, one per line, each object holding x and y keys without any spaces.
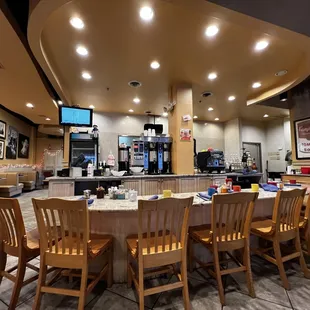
{"x":146,"y":13}
{"x":131,"y":110}
{"x":136,"y":100}
{"x":86,"y":75}
{"x":29,"y":105}
{"x":210,"y":109}
{"x":47,"y":119}
{"x":281,"y":73}
{"x":206,"y":124}
{"x":211,"y":31}
{"x":77,"y":23}
{"x":82,"y":50}
{"x":195,"y":116}
{"x":165,"y":114}
{"x":256,"y":85}
{"x":59,"y":102}
{"x":261,"y":45}
{"x":91,"y":106}
{"x":155,"y":65}
{"x":212,"y":76}
{"x":231,"y":98}
{"x":266,"y":115}
{"x":216,"y":119}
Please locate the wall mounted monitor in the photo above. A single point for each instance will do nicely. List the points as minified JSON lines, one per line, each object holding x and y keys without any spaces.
{"x":72,"y":116}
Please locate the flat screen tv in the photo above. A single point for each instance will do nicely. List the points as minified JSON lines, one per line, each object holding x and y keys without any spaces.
{"x":72,"y":116}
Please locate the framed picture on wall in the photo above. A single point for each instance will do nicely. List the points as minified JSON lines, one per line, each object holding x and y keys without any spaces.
{"x":1,"y":149}
{"x":23,"y":146}
{"x":2,"y":130}
{"x":302,"y":138}
{"x":11,"y":145}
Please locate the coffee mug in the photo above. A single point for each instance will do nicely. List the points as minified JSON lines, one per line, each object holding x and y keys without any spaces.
{"x":255,"y":187}
{"x":292,"y":181}
{"x":211,"y":191}
{"x":167,"y":193}
{"x":237,"y":188}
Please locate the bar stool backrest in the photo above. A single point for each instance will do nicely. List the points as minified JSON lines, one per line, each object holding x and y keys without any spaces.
{"x":231,"y":216}
{"x":12,"y":228}
{"x":287,"y":208}
{"x":162,"y":229}
{"x":63,"y":226}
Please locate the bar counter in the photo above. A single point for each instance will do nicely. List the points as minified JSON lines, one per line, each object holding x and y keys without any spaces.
{"x":120,"y":219}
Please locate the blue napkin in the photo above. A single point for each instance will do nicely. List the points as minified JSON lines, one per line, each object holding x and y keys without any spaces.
{"x":153,"y":197}
{"x":204,"y":196}
{"x":269,"y":187}
{"x":89,"y":201}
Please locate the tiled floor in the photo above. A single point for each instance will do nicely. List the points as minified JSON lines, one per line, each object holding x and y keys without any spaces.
{"x":203,"y":290}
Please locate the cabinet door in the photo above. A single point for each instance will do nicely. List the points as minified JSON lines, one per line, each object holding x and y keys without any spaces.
{"x":60,"y":189}
{"x":187,"y":185}
{"x":133,"y":184}
{"x":169,"y":184}
{"x":151,"y":186}
{"x":203,"y":184}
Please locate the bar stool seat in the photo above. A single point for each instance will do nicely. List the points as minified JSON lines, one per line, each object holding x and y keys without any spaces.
{"x":132,"y":244}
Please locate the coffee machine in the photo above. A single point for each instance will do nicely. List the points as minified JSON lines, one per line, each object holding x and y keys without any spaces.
{"x":211,"y":161}
{"x":137,"y":153}
{"x":164,"y":155}
{"x":150,"y":155}
{"x":123,"y":158}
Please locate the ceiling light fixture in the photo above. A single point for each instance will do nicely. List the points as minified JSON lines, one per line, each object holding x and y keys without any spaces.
{"x":281,"y":73}
{"x":82,"y":50}
{"x":136,"y":100}
{"x":59,"y":102}
{"x":155,"y":65}
{"x":29,"y":105}
{"x":231,"y":98}
{"x":91,"y":106}
{"x":210,"y":109}
{"x":256,"y":85}
{"x":211,"y":31}
{"x":283,"y":96}
{"x":77,"y":23}
{"x":146,"y":13}
{"x":266,"y":115}
{"x":195,"y":117}
{"x":261,"y":45}
{"x":165,"y":114}
{"x":47,"y":119}
{"x":216,"y":119}
{"x":131,"y":110}
{"x":212,"y":76}
{"x":86,"y":75}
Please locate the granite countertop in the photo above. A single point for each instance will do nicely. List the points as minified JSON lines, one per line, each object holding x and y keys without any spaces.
{"x":296,"y":175}
{"x":109,"y":205}
{"x":145,"y":176}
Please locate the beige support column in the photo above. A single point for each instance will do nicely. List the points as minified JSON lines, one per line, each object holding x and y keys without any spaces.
{"x":182,"y":151}
{"x":65,"y":161}
{"x":33,"y":141}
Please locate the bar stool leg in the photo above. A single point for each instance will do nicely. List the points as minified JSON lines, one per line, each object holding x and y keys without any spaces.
{"x":218,"y":276}
{"x":3,"y":257}
{"x":110,"y":267}
{"x":41,"y":282}
{"x":277,"y":252}
{"x":190,"y":254}
{"x":18,"y":281}
{"x":129,"y":275}
{"x":185,"y":284}
{"x":83,"y":287}
{"x":302,"y":261}
{"x":247,"y":263}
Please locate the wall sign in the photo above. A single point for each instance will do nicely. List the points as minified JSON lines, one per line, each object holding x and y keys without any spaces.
{"x":11,"y":145}
{"x":23,"y":146}
{"x":185,"y":134}
{"x":2,"y":130}
{"x":302,"y":138}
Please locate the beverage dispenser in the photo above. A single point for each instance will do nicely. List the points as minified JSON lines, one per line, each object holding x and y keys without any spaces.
{"x":164,"y":155}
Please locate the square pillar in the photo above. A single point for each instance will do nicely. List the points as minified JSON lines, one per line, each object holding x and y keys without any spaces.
{"x":182,"y":151}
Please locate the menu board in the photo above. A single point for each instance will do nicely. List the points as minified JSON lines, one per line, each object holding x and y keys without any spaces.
{"x":302,"y":138}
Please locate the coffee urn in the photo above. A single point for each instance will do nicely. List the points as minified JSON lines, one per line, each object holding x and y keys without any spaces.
{"x":164,"y":155}
{"x":123,"y":159}
{"x":150,"y":156}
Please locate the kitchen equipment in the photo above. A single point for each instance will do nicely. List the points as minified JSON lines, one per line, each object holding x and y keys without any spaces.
{"x":75,"y":172}
{"x":211,"y":161}
{"x":123,"y":159}
{"x":305,"y":170}
{"x":164,"y":155}
{"x":118,"y":173}
{"x":137,"y":153}
{"x":136,"y":170}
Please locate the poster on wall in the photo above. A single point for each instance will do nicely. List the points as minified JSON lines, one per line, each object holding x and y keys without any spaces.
{"x":11,"y":145}
{"x":1,"y":149}
{"x":185,"y":134}
{"x":2,"y":129}
{"x":302,"y":138}
{"x":23,"y":146}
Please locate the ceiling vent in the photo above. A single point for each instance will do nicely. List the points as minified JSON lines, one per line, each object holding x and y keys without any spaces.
{"x":134,"y":84}
{"x":148,"y":112}
{"x":206,"y":94}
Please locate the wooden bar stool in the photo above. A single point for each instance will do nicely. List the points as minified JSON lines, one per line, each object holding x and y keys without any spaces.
{"x":16,"y":242}
{"x":70,"y":246}
{"x":284,"y":226}
{"x":305,"y":228}
{"x":161,"y":243}
{"x":231,"y":216}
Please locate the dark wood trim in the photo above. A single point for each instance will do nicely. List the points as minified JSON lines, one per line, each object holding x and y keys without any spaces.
{"x":22,"y":118}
